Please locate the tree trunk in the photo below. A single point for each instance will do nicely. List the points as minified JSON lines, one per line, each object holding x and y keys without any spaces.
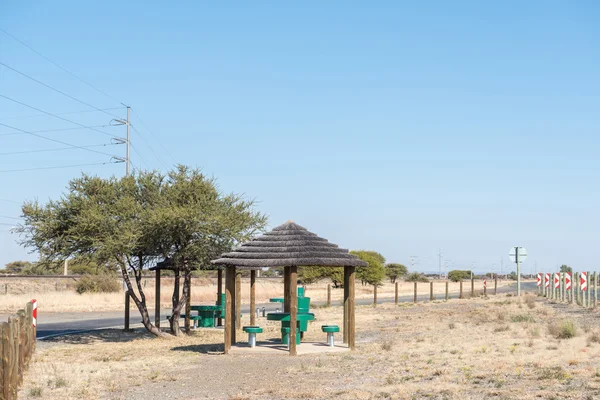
{"x":176,"y":306}
{"x":140,"y":302}
{"x":181,"y":301}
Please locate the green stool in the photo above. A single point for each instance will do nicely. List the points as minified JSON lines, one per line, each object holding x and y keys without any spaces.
{"x":252,"y":331}
{"x":285,"y":336}
{"x":330,"y":330}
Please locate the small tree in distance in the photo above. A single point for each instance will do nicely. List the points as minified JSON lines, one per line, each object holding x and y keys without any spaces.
{"x":457,"y":275}
{"x":565,"y":268}
{"x":395,"y":271}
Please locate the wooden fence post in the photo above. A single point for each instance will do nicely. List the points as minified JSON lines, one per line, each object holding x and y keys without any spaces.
{"x":460,"y":295}
{"x":21,"y":322}
{"x":415,"y":299}
{"x":472,"y":285}
{"x":446,"y":290}
{"x":328,"y":295}
{"x":5,"y":370}
{"x":396,"y":293}
{"x":431,"y":291}
{"x":495,"y":285}
{"x":14,"y":356}
{"x":375,"y":295}
{"x":595,"y":289}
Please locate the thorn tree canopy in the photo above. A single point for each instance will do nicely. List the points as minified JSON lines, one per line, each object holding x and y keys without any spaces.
{"x":139,"y":220}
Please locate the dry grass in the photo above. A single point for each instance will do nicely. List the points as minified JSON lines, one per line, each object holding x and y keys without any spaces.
{"x":454,"y":350}
{"x":204,"y":291}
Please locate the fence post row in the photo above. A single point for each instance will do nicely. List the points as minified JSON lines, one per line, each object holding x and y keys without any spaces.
{"x":17,"y":343}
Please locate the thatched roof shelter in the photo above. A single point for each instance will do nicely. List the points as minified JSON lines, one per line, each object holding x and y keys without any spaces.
{"x":290,"y":246}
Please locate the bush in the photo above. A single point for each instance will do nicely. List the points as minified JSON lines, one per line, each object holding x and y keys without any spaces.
{"x":457,"y":275}
{"x":564,"y":329}
{"x":102,"y":283}
{"x":416,"y":277}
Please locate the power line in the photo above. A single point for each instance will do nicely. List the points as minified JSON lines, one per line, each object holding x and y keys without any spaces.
{"x":150,"y":147}
{"x":155,"y":138}
{"x":63,"y":113}
{"x":56,"y":141}
{"x":141,"y":158}
{"x":56,"y":90}
{"x":58,"y":166}
{"x":54,"y":115}
{"x":60,"y":67}
{"x":54,"y":130}
{"x":10,"y":201}
{"x":2,"y":223}
{"x":6,"y":216}
{"x":57,"y":149}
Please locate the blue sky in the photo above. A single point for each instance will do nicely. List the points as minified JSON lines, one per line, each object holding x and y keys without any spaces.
{"x":393,"y":126}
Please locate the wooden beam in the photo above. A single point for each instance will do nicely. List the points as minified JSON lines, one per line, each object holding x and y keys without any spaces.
{"x":219,"y":294}
{"x":157,"y":298}
{"x":238,"y":300}
{"x":293,"y":308}
{"x":253,"y":297}
{"x":229,"y":298}
{"x":351,"y":308}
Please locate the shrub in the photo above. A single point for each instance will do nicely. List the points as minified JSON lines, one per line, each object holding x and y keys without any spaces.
{"x":564,"y":329}
{"x":102,"y":283}
{"x":457,"y":275}
{"x":416,"y":277}
{"x":530,"y":301}
{"x":523,"y":318}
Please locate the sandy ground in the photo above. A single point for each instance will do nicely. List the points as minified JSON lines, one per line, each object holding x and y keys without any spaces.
{"x":65,"y":299}
{"x":499,"y":347}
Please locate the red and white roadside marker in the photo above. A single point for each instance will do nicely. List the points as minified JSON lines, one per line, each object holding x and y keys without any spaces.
{"x":484,"y":283}
{"x":34,"y":312}
{"x":539,"y":279}
{"x":567,"y":281}
{"x":583,"y":281}
{"x":556,"y":280}
{"x":547,"y":280}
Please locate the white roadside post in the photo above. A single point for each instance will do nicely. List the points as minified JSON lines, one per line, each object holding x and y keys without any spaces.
{"x":518,"y":255}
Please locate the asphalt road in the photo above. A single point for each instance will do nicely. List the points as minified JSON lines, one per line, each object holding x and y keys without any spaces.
{"x":56,"y":324}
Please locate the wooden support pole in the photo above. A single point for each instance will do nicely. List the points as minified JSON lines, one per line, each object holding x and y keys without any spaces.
{"x":345,"y":305}
{"x":447,"y":291}
{"x":253,"y":297}
{"x":220,"y":295}
{"x":485,"y":288}
{"x":415,"y":295}
{"x":374,"y":295}
{"x":21,"y":341}
{"x":431,"y":291}
{"x":351,"y":308}
{"x":460,"y":293}
{"x":157,"y":298}
{"x":588,"y":302}
{"x":396,"y":293}
{"x":293,"y":308}
{"x":238,"y":301}
{"x":286,"y":289}
{"x":229,"y":312}
{"x":328,"y":295}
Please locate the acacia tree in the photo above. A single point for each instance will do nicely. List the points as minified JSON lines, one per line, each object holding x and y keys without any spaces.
{"x":128,"y":222}
{"x":374,"y":273}
{"x":394,"y":271}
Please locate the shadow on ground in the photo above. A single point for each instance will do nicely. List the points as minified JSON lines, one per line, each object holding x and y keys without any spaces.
{"x":102,"y":335}
{"x":211,"y":348}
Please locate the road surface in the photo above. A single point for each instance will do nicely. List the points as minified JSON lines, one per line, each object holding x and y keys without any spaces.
{"x":56,"y":324}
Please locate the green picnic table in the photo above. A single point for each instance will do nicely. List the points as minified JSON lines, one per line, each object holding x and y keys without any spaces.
{"x":208,"y":315}
{"x":285,"y":323}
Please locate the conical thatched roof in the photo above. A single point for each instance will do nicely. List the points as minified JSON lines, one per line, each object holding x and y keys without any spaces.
{"x":289,"y":245}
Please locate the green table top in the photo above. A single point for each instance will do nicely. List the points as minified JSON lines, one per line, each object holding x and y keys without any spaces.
{"x":276,"y":300}
{"x":286,"y":317}
{"x":205,"y":308}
